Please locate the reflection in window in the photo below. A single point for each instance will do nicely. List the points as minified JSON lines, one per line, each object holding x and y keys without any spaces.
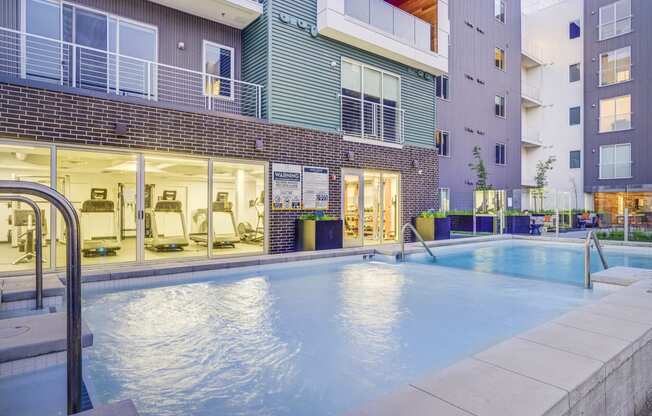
{"x":616,"y":114}
{"x":616,"y":161}
{"x":615,"y":66}
{"x":218,"y":65}
{"x":615,"y":19}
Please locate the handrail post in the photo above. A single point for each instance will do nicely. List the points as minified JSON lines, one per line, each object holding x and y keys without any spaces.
{"x":38,"y":247}
{"x":626,"y":225}
{"x":588,"y":284}
{"x":73,"y":284}
{"x":416,"y":233}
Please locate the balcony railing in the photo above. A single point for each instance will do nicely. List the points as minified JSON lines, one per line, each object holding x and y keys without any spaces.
{"x":33,"y":57}
{"x":399,"y":23}
{"x":530,"y":92}
{"x":371,"y":120}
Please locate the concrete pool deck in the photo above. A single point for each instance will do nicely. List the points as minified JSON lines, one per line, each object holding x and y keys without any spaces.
{"x":595,"y":360}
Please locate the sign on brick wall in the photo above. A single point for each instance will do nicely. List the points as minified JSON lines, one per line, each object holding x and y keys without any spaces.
{"x":315,"y":188}
{"x":286,"y":187}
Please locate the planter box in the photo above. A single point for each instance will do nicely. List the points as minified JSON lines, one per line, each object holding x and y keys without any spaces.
{"x":318,"y":235}
{"x":484,"y":224}
{"x":519,"y":224}
{"x":433,"y":228}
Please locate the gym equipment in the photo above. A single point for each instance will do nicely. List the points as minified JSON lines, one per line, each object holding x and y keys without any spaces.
{"x":99,"y":229}
{"x":225,"y":233}
{"x":165,"y":225}
{"x":249,"y":234}
{"x":23,"y":233}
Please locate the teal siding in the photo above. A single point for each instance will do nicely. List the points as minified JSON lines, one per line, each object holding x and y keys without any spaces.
{"x":255,"y":67}
{"x":305,"y":86}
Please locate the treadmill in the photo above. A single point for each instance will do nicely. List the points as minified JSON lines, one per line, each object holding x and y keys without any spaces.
{"x":99,"y":233}
{"x":225,"y":233}
{"x":167,"y":224}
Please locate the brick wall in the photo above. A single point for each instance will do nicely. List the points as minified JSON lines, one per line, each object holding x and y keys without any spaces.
{"x":28,"y":113}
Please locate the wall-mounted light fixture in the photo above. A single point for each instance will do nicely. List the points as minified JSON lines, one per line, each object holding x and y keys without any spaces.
{"x":415,"y":164}
{"x":121,"y":128}
{"x":350,"y":155}
{"x":259,"y":144}
{"x":181,"y":46}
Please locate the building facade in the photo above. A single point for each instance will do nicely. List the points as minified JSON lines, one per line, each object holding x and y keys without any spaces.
{"x":479,"y":101}
{"x":164,"y":123}
{"x":617,"y":96}
{"x":553,"y":101}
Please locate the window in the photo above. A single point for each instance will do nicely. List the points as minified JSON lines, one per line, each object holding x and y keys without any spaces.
{"x":575,"y":159}
{"x":574,"y":73}
{"x":499,"y":10}
{"x":616,"y":114}
{"x":500,"y":154}
{"x":499,"y":109}
{"x":370,"y":103}
{"x":218,"y":67}
{"x":574,"y":30}
{"x":444,"y":199}
{"x":575,"y":116}
{"x":615,"y":66}
{"x":499,"y":58}
{"x":616,"y":161}
{"x":615,"y":19}
{"x":442,"y":89}
{"x":442,"y":142}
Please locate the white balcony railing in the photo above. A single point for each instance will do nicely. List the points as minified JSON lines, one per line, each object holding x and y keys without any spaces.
{"x":33,"y":57}
{"x":371,"y":120}
{"x":399,"y":23}
{"x":531,"y":92}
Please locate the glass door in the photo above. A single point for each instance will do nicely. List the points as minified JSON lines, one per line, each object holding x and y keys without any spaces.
{"x":391,"y":216}
{"x":372,"y":208}
{"x":352,"y":191}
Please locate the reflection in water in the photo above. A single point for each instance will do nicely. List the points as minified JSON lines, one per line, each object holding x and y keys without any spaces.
{"x":371,"y":311}
{"x":203,"y":344}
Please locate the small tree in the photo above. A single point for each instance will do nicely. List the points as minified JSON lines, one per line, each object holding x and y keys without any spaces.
{"x":541,"y":178}
{"x":482,"y":176}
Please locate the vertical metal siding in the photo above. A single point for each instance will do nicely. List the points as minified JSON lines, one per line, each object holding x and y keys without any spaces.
{"x":305,"y":85}
{"x":10,"y":13}
{"x":255,"y":45}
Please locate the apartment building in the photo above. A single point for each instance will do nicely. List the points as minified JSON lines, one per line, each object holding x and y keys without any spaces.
{"x":617,"y":92}
{"x":479,"y":101}
{"x":553,"y":96}
{"x":204,"y":129}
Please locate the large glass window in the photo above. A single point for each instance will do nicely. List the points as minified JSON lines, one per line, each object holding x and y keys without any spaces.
{"x":501,"y":157}
{"x":444,"y":199}
{"x":616,"y":161}
{"x":615,"y":66}
{"x":442,"y":142}
{"x":616,"y":114}
{"x":499,"y":106}
{"x":17,"y":220}
{"x":499,"y":58}
{"x":218,"y":66}
{"x":176,"y":203}
{"x":575,"y":116}
{"x":238,"y":208}
{"x":102,"y":187}
{"x":43,"y":56}
{"x":499,"y":10}
{"x":615,"y":19}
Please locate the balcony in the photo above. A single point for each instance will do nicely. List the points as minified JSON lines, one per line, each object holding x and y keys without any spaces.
{"x":532,"y":139}
{"x":530,"y":96}
{"x":235,"y":13}
{"x":372,"y":121}
{"x":531,"y":54}
{"x":381,"y":28}
{"x":63,"y":64}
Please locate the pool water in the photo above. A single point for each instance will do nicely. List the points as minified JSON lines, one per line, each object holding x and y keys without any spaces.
{"x":563,"y":263}
{"x":317,"y":338}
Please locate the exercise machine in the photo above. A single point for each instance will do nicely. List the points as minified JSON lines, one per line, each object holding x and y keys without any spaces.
{"x":249,"y":234}
{"x":225,"y":234}
{"x":99,"y":228}
{"x":23,"y":234}
{"x":165,"y":224}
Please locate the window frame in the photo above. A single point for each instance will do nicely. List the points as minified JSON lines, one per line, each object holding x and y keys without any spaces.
{"x":577,"y":23}
{"x":448,"y":199}
{"x":503,"y":106}
{"x":502,"y":68}
{"x":447,"y":134}
{"x":615,"y":164}
{"x":601,"y":69}
{"x":382,"y":72}
{"x":570,"y":72}
{"x":205,"y":43}
{"x":570,"y":116}
{"x":447,"y":96}
{"x":601,"y":24}
{"x":503,"y":11}
{"x":579,"y":159}
{"x":615,"y":114}
{"x":503,"y":147}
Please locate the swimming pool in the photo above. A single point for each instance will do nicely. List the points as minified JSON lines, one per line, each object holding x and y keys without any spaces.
{"x":559,"y":262}
{"x":317,"y":338}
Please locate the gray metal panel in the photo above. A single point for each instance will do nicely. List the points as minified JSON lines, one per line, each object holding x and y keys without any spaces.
{"x":10,"y":13}
{"x":471,"y":103}
{"x":640,"y":88}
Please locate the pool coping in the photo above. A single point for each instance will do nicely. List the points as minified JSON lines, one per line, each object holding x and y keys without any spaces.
{"x":594,"y":360}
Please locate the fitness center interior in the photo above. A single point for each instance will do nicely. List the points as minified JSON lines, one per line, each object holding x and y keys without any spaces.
{"x":176,"y":194}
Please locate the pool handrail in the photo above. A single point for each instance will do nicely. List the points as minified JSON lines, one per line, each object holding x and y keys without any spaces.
{"x":414,"y":230}
{"x":592,"y":237}
{"x":73,"y":282}
{"x":38,"y":247}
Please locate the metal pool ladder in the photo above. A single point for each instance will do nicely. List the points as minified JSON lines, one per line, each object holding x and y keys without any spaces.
{"x":592,"y":237}
{"x":414,"y":230}
{"x":73,"y":282}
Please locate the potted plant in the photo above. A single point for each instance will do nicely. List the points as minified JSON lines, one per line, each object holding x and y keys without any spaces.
{"x":433,"y":225}
{"x":517,"y":222}
{"x":318,"y":232}
{"x":463,"y":221}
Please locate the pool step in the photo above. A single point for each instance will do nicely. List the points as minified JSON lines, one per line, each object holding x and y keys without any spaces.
{"x":20,"y":293}
{"x":621,"y":276}
{"x":123,"y":408}
{"x":36,"y":335}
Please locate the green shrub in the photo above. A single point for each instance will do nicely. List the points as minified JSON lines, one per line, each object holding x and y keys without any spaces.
{"x":431,"y":213}
{"x":515,"y":213}
{"x":316,"y":217}
{"x":460,"y":212}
